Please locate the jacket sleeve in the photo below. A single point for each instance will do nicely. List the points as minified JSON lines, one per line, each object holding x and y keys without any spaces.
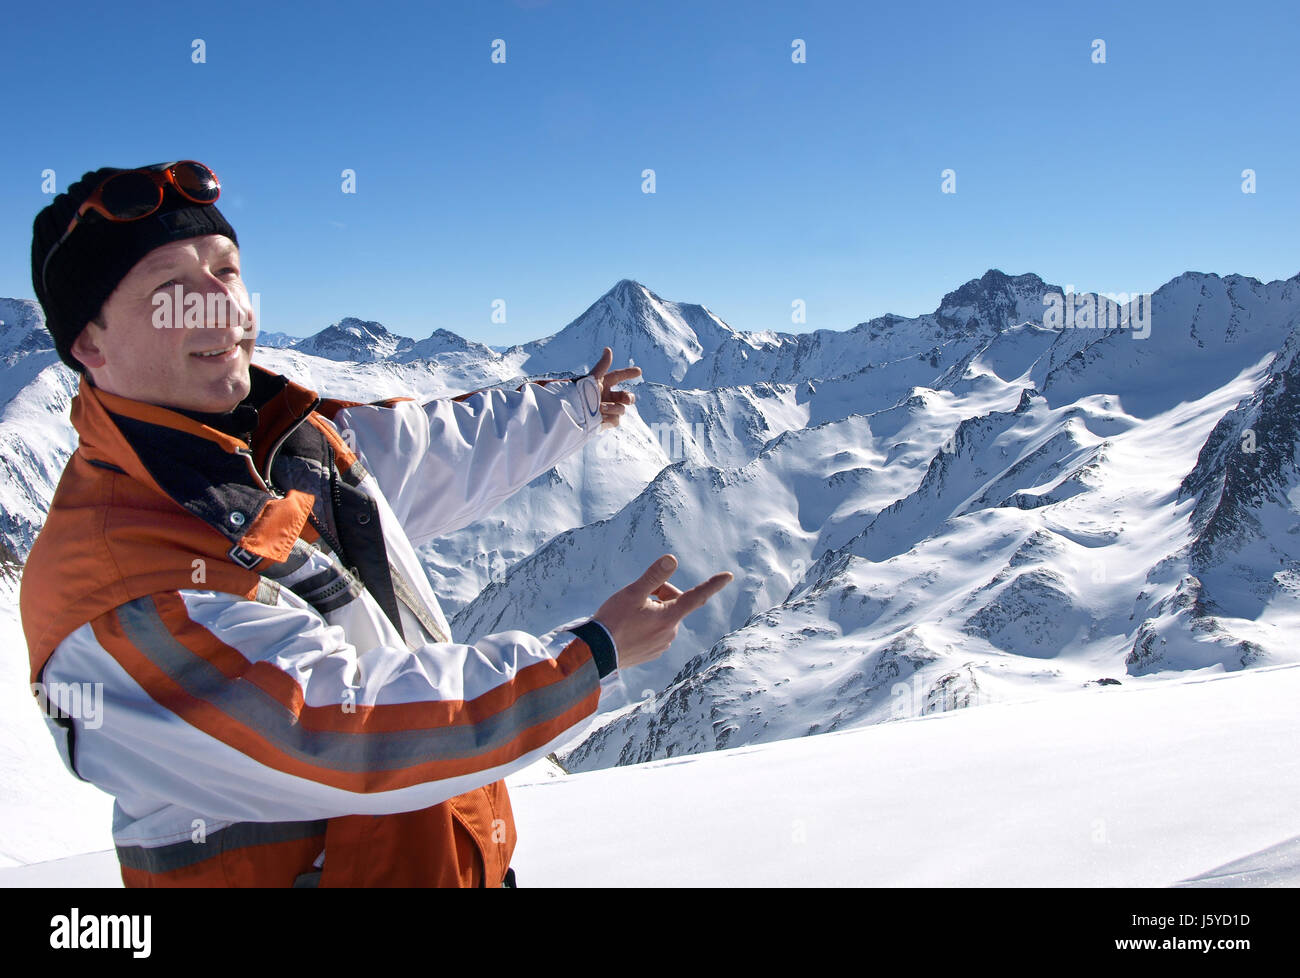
{"x":444,"y":464}
{"x":252,"y":712}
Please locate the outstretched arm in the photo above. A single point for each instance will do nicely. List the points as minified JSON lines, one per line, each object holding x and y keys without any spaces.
{"x":246,"y":711}
{"x":444,"y":464}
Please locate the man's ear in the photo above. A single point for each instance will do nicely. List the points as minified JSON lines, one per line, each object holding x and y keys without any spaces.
{"x":85,"y":348}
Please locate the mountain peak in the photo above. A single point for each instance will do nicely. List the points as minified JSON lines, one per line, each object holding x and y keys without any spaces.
{"x":442,"y":341}
{"x":356,"y":327}
{"x":992,"y":282}
{"x":355,"y":339}
{"x":663,"y":338}
{"x":629,"y":294}
{"x":996,"y":300}
{"x":22,"y":327}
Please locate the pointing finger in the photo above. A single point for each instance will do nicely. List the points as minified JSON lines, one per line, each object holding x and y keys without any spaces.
{"x":622,"y":374}
{"x":696,"y":597}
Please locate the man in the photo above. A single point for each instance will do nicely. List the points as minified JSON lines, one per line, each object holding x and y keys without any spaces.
{"x":232,"y":558}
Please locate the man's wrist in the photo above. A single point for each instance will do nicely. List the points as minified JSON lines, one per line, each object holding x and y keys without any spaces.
{"x":589,"y":402}
{"x":601,"y":643}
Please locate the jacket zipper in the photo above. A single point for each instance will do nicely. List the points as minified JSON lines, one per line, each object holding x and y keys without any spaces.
{"x":265,"y":482}
{"x":270,"y":457}
{"x":336,"y":499}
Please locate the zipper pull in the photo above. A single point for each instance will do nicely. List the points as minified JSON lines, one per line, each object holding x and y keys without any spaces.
{"x":266,"y":485}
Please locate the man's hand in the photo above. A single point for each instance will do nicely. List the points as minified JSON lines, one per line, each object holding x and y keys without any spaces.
{"x":612,"y":403}
{"x":643,"y":628}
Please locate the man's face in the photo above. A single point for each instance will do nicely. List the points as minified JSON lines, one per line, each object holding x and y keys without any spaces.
{"x":126,"y":354}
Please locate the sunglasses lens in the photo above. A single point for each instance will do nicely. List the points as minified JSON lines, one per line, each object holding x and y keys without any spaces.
{"x":129,"y":195}
{"x":197,"y":182}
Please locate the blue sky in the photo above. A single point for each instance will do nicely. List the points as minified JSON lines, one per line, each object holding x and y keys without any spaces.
{"x":775,"y":181}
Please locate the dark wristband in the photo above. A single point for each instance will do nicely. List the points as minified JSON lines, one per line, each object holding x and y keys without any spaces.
{"x":601,"y":644}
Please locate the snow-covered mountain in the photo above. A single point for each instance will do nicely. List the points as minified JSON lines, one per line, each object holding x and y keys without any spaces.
{"x":36,"y":439}
{"x":442,"y":343}
{"x":665,"y":339}
{"x":1039,"y":540}
{"x":276,"y":341}
{"x":354,"y":340}
{"x":922,"y":513}
{"x":22,"y":329}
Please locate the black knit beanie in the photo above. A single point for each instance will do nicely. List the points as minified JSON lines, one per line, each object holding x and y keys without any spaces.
{"x":99,"y":253}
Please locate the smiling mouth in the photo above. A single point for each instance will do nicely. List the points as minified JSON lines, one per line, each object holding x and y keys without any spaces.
{"x":225,"y":353}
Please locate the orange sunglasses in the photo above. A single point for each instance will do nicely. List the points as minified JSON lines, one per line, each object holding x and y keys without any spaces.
{"x":133,"y":194}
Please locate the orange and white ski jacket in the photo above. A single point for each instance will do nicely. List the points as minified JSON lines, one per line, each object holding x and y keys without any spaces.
{"x":282,"y":700}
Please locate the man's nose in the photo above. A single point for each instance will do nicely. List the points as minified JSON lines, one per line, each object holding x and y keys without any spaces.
{"x":223,"y":305}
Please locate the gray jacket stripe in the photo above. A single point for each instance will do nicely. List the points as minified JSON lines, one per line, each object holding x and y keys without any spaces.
{"x":178,"y":855}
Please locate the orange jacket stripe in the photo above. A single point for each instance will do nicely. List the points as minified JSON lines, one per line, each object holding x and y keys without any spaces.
{"x":242,"y":716}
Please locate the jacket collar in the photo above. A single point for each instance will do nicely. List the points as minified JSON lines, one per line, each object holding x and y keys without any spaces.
{"x":214,"y":475}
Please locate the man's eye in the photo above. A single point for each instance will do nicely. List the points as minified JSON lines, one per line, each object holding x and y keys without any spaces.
{"x":172,"y":281}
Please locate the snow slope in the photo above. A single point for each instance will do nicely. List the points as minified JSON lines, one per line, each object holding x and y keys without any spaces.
{"x":45,"y":812}
{"x":1189,"y":782}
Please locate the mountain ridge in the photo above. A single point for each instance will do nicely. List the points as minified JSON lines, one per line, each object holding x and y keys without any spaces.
{"x":965,"y":504}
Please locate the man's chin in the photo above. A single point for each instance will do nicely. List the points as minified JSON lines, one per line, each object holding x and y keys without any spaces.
{"x":228,"y":390}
